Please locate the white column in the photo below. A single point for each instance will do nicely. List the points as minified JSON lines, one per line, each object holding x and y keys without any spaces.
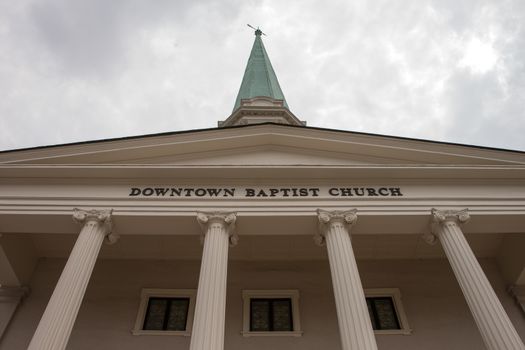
{"x":495,"y":327}
{"x":210,"y":307}
{"x":59,"y":317}
{"x":355,"y":327}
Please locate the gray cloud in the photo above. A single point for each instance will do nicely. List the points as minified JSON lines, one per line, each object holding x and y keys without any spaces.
{"x":82,"y":70}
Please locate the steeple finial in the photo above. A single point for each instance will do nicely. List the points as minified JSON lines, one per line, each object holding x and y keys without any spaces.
{"x":258,"y":31}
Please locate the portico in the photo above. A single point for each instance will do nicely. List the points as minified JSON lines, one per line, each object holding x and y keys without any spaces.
{"x":339,"y":265}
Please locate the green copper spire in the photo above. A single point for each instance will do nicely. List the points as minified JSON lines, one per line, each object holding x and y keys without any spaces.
{"x":259,"y":78}
{"x":260,"y":98}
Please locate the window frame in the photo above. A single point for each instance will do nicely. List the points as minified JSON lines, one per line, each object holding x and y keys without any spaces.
{"x":148,"y":293}
{"x":271,"y":302}
{"x":291,"y":294}
{"x":395,"y":295}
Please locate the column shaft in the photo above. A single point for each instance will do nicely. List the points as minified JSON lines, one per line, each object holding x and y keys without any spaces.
{"x":495,"y":327}
{"x":56,"y":324}
{"x":210,"y":308}
{"x":355,"y":326}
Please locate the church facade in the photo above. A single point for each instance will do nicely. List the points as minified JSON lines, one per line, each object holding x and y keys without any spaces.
{"x":262,"y":233}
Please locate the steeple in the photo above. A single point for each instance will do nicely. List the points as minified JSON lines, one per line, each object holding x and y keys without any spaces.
{"x":260,"y":98}
{"x":259,"y":77}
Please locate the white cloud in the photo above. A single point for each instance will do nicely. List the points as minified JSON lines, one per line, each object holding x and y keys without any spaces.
{"x":480,"y":57}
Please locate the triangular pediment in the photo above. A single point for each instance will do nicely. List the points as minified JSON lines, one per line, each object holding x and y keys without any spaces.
{"x":267,"y":155}
{"x":264,"y":145}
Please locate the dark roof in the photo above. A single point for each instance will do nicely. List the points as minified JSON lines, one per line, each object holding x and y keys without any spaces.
{"x":255,"y":125}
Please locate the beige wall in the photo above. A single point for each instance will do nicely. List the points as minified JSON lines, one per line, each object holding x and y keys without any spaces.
{"x":433,"y":303}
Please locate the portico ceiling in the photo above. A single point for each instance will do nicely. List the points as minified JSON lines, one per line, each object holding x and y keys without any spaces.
{"x":264,"y":248}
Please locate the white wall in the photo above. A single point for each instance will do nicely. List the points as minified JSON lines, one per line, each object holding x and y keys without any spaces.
{"x":433,"y":302}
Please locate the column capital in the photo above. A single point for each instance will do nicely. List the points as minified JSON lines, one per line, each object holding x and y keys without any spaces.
{"x":346,"y":218}
{"x":101,"y":217}
{"x":226,"y":220}
{"x":444,"y":217}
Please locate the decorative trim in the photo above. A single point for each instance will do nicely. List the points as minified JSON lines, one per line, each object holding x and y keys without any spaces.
{"x":444,"y":217}
{"x":101,"y":217}
{"x":326,"y":218}
{"x":226,"y":220}
{"x":269,"y":108}
{"x":395,"y":294}
{"x":167,"y":293}
{"x":429,"y":237}
{"x":293,"y":294}
{"x":458,"y":216}
{"x":165,"y":207}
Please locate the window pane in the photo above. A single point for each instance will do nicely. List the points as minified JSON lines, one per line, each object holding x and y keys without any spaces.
{"x":371,"y":312}
{"x":259,"y":315}
{"x":178,"y":314}
{"x":386,"y":313}
{"x":282,"y":315}
{"x":155,"y":314}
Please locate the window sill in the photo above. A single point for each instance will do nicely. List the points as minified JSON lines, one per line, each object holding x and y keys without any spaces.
{"x":272,"y":334}
{"x":175,"y":333}
{"x":393,"y":332}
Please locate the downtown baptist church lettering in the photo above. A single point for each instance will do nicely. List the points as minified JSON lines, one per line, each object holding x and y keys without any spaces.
{"x":266,"y":192}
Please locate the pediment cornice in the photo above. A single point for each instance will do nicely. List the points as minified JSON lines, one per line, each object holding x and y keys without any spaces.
{"x":238,"y":139}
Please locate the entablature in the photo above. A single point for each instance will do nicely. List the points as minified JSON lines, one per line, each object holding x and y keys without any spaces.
{"x":291,"y":173}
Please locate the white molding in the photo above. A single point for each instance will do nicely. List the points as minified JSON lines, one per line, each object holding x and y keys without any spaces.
{"x":395,"y":294}
{"x":278,"y":172}
{"x":247,"y":295}
{"x":168,"y":293}
{"x":272,"y":334}
{"x":199,"y":141}
{"x":404,"y":207}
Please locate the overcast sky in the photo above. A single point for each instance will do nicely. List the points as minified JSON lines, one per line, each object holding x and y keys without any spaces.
{"x":444,"y":70}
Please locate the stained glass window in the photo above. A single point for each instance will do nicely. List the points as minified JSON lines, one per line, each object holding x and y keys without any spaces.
{"x":271,"y":315}
{"x":382,"y":313}
{"x":167,"y":314}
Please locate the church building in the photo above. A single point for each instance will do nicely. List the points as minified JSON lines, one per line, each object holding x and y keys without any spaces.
{"x":262,"y":233}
